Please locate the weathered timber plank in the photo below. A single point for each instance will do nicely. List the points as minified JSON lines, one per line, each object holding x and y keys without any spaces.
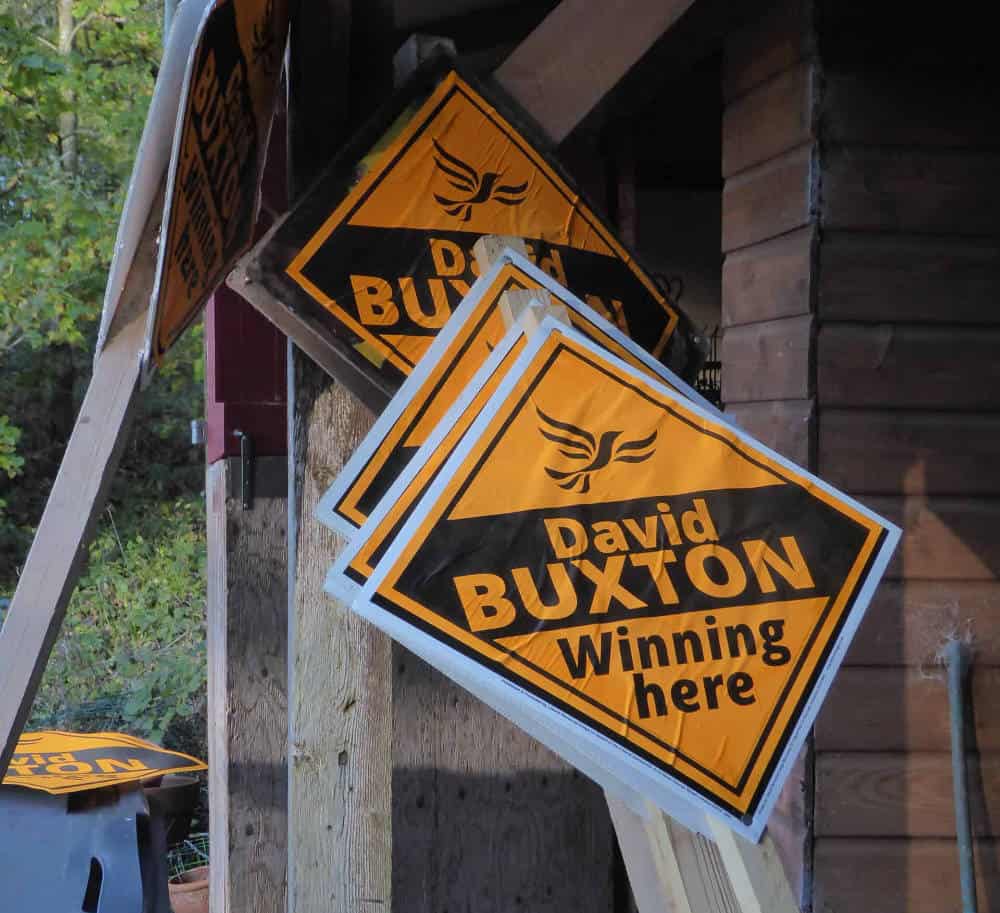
{"x":907,"y":623}
{"x":908,"y":108}
{"x":340,"y":689}
{"x":578,"y":53}
{"x":777,"y":39}
{"x":767,"y":361}
{"x":340,"y":694}
{"x":771,"y":119}
{"x":897,"y":190}
{"x":898,"y":876}
{"x":768,"y":200}
{"x":907,"y":367}
{"x":901,"y":795}
{"x":900,"y":709}
{"x":871,"y":277}
{"x":247,"y":673}
{"x":770,"y":280}
{"x":59,"y":548}
{"x":786,"y":426}
{"x":662,"y":860}
{"x":943,"y":538}
{"x":889,"y":452}
{"x":485,"y":817}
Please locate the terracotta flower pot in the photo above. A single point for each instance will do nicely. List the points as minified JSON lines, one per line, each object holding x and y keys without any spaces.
{"x":189,"y":892}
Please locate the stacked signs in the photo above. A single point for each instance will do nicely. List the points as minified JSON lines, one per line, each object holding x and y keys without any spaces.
{"x":564,"y":527}
{"x":378,"y":256}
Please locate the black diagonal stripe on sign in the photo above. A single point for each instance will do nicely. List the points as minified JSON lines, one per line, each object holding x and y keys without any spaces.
{"x":829,"y":542}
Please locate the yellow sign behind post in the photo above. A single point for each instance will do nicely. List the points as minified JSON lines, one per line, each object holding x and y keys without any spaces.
{"x":457,"y":353}
{"x":68,"y":762}
{"x":379,"y":255}
{"x":602,"y":549}
{"x":213,"y":187}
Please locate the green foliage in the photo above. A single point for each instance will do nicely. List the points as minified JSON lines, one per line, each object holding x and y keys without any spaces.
{"x":133,"y":641}
{"x":58,"y":215}
{"x":132,"y":650}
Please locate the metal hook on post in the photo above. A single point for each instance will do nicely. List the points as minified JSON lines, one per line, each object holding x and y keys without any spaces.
{"x":246,"y":468}
{"x":957,"y":661}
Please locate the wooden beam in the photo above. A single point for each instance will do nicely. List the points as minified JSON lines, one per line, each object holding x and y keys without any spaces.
{"x":340,"y":683}
{"x":77,"y":498}
{"x":670,"y":868}
{"x":247,"y":671}
{"x":59,"y":548}
{"x":755,"y":872}
{"x":578,"y":54}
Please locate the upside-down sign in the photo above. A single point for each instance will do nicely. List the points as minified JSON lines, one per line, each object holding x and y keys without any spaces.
{"x":380,"y":253}
{"x":603,"y":546}
{"x":67,"y":762}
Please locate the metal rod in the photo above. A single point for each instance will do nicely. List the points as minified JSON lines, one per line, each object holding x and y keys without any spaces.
{"x":956,"y":659}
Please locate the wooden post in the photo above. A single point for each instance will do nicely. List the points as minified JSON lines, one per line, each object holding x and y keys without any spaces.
{"x":77,"y":498}
{"x":578,"y":54}
{"x":247,"y":607}
{"x":340,"y":697}
{"x":247,"y":719}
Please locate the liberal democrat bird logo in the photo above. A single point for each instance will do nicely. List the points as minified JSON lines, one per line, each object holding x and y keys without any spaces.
{"x":579,"y":444}
{"x":473,"y":187}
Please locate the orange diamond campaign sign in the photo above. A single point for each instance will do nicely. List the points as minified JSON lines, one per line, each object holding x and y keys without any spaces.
{"x":380,"y":253}
{"x":604,"y":554}
{"x":67,"y":762}
{"x":230,"y":90}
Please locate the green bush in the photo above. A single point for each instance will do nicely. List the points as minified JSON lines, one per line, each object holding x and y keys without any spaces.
{"x":132,"y":648}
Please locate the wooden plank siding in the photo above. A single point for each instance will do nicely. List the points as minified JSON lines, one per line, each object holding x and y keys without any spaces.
{"x":862,"y":272}
{"x":886,"y":875}
{"x":907,"y":406}
{"x":769,"y":243}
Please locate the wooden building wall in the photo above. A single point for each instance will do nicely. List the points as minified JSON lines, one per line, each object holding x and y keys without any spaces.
{"x":769,"y":238}
{"x":861,"y":285}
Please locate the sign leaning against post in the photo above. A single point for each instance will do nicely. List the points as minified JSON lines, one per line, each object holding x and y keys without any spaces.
{"x":677,"y":592}
{"x":379,"y":254}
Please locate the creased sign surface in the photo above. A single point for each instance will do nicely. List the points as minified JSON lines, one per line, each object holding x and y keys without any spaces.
{"x":381,"y":253}
{"x":639,"y":565}
{"x":474,"y":332}
{"x":212,"y":194}
{"x":66,"y":762}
